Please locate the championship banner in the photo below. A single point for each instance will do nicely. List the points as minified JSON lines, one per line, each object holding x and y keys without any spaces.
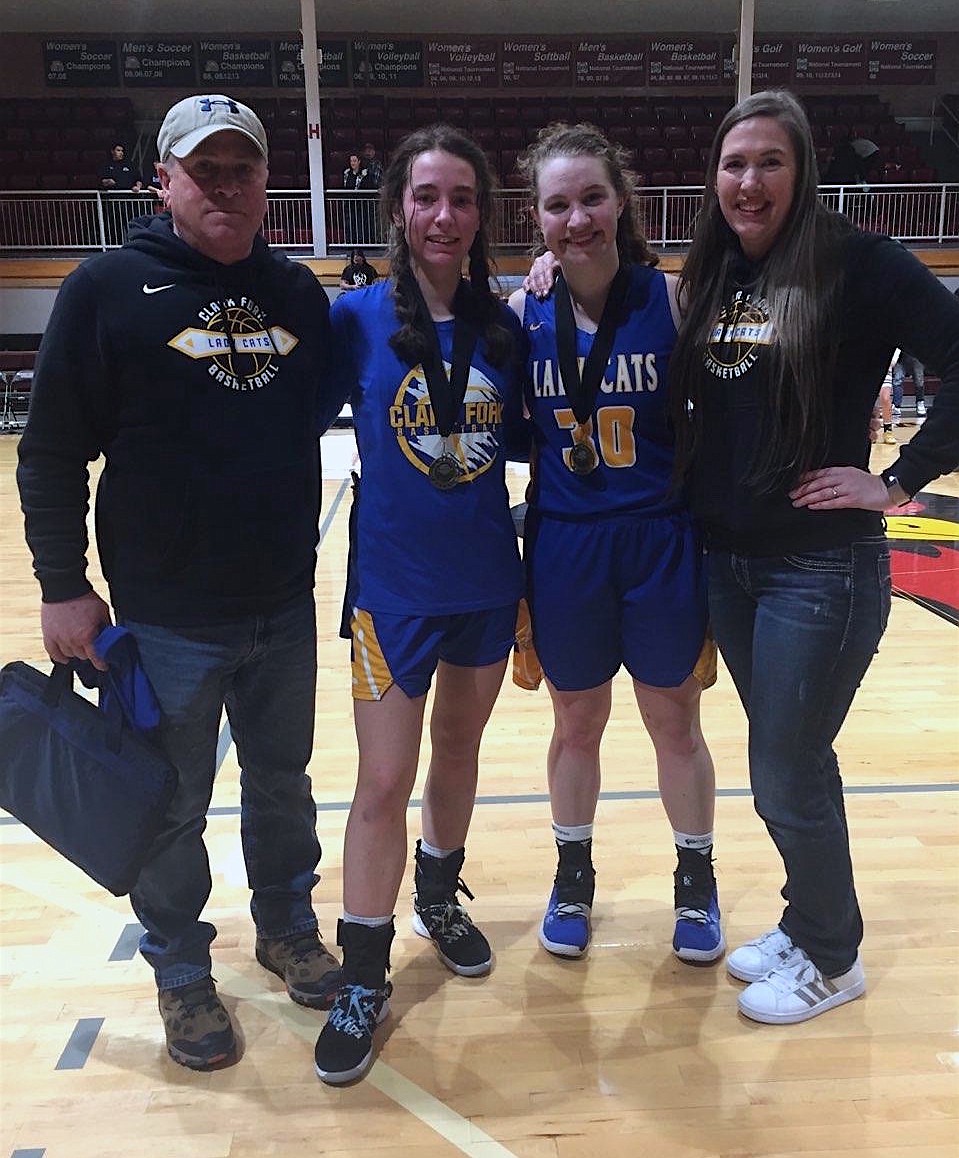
{"x":831,"y":60}
{"x":387,"y":63}
{"x":546,"y":62}
{"x":225,"y":64}
{"x":683,"y":61}
{"x":611,"y":62}
{"x":166,"y":63}
{"x":462,"y":62}
{"x":899,"y":60}
{"x":80,"y":63}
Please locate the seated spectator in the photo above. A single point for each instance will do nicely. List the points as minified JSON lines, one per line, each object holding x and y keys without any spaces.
{"x":117,"y":176}
{"x":906,"y":364}
{"x":358,"y":273}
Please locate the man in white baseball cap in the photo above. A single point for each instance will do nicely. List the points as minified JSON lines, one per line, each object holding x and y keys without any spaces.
{"x":193,"y":358}
{"x":213,"y":173}
{"x":192,"y":120}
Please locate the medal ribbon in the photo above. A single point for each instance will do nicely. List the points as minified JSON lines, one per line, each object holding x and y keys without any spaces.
{"x":580,"y":389}
{"x":446,"y":393}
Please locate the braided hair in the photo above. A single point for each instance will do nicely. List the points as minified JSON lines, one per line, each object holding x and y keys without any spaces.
{"x":408,"y":342}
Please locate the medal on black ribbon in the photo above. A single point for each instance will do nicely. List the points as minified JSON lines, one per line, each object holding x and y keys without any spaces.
{"x":446,"y":394}
{"x":445,"y":471}
{"x":581,"y":388}
{"x":583,"y":458}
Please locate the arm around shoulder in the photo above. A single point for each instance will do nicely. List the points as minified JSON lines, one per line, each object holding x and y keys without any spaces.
{"x":517,"y":302}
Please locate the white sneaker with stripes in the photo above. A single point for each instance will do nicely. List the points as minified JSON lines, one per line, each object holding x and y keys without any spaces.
{"x":752,"y":961}
{"x":797,"y":991}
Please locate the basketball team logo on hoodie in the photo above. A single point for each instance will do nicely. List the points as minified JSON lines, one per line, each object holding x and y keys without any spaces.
{"x":743,"y":330}
{"x":474,"y":440}
{"x":243,"y":352}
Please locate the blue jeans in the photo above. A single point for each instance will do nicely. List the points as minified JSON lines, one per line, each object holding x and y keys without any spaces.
{"x":263,"y":671}
{"x":798,"y":634}
{"x":906,"y":364}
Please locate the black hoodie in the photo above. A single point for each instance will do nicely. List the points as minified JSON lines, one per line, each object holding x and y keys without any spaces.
{"x":889,"y":299}
{"x":199,"y":384}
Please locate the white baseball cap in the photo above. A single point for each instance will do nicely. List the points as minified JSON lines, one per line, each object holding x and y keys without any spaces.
{"x":195,"y":118}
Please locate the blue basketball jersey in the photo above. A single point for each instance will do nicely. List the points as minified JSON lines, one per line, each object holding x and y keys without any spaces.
{"x":419,"y":550}
{"x":628,"y":426}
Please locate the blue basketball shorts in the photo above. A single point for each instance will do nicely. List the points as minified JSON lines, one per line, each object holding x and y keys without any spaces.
{"x":405,"y":649}
{"x":620,"y":590}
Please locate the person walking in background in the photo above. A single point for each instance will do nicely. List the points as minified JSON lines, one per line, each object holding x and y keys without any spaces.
{"x":435,"y":571}
{"x":791,"y":318}
{"x":886,"y":409}
{"x":614,"y":563}
{"x":192,"y":359}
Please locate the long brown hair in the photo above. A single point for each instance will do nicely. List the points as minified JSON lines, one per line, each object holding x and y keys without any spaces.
{"x":584,"y":140}
{"x":800,"y":278}
{"x":408,"y":343}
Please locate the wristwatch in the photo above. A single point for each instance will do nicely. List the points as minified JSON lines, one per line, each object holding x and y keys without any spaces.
{"x":892,"y":483}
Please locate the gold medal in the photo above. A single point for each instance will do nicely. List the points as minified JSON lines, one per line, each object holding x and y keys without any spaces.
{"x":583,"y":458}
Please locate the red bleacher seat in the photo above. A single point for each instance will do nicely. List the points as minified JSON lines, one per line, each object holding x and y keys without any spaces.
{"x":55,"y":181}
{"x":647,"y":136}
{"x":399,"y":112}
{"x":667,"y":114}
{"x":66,"y":160}
{"x":656,"y":157}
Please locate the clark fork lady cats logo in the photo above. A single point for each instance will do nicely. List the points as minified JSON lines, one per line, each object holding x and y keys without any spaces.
{"x":242,"y":350}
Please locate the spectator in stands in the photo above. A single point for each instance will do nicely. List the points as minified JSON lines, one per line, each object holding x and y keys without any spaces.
{"x":207,"y":530}
{"x":117,"y":175}
{"x":358,"y":273}
{"x":905,"y":365}
{"x":791,"y":318}
{"x":435,"y":575}
{"x":848,"y":164}
{"x":360,"y":211}
{"x":155,"y":185}
{"x":354,"y":175}
{"x":373,"y":166}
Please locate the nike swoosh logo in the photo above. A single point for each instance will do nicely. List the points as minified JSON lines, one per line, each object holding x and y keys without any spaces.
{"x":533,"y":325}
{"x":155,"y":289}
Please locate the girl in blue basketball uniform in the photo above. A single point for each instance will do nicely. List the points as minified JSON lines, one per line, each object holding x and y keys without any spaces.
{"x":432,"y":366}
{"x":614,"y":564}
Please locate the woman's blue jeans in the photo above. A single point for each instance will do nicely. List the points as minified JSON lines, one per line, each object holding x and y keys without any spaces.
{"x":797,"y":634}
{"x":263,"y":671}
